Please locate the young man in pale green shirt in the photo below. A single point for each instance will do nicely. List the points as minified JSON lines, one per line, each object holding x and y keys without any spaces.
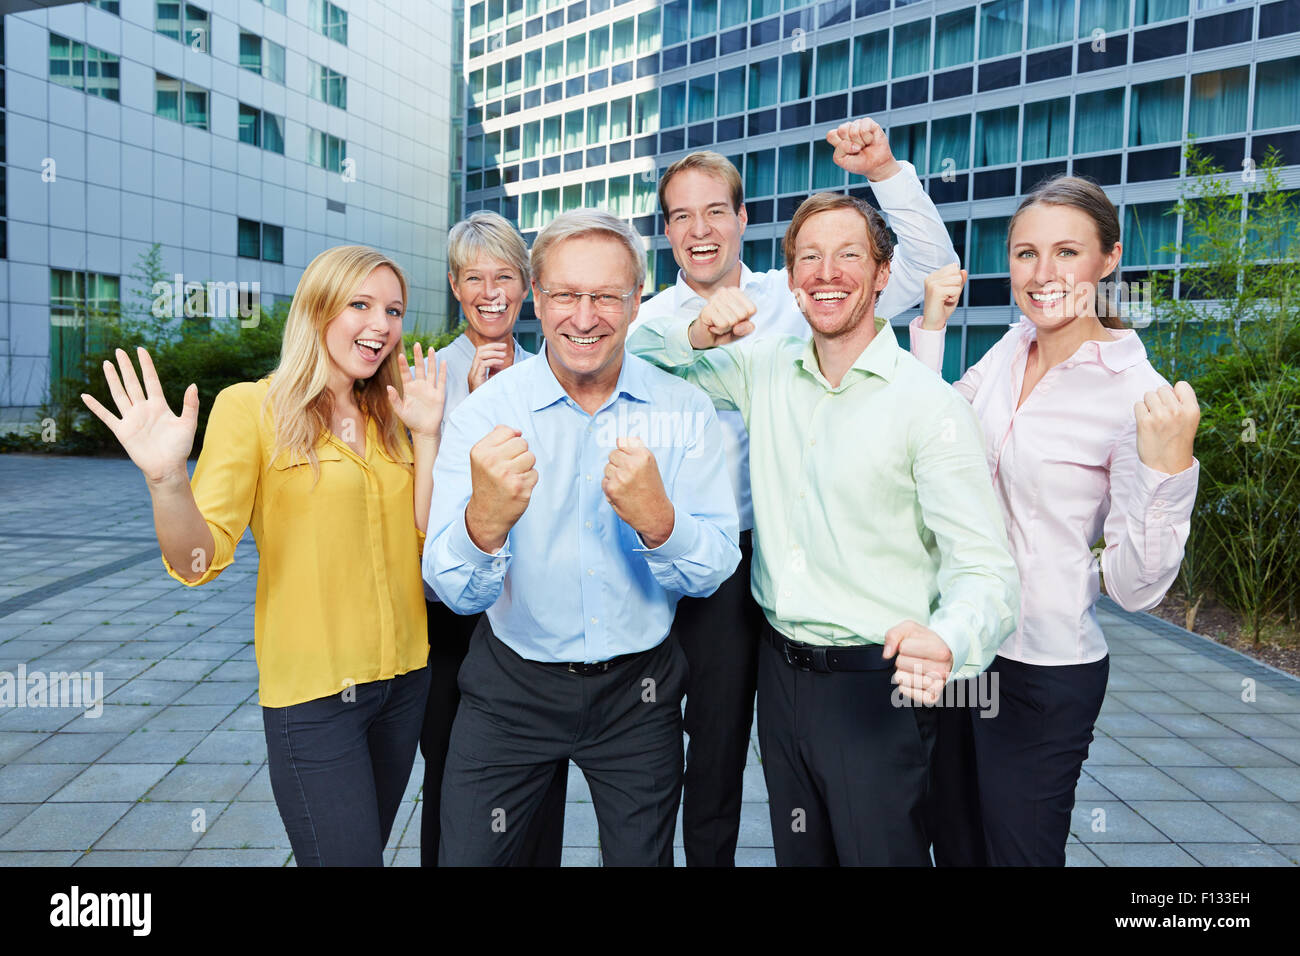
{"x":880,"y":554}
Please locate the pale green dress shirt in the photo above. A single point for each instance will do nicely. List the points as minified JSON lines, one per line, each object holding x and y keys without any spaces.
{"x":872,"y":501}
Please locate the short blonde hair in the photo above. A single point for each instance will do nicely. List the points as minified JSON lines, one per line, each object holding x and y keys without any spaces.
{"x":588,"y":222}
{"x":706,"y":161}
{"x":485,"y":233}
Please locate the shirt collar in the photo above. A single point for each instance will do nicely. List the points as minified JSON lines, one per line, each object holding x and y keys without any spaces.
{"x":1123,"y":351}
{"x":545,"y":389}
{"x":880,"y":357}
{"x":684,"y":295}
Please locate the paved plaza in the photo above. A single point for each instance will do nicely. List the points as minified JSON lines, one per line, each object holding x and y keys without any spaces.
{"x":1196,"y":761}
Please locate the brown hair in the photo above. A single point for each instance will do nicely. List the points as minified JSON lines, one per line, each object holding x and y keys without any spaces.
{"x":878,"y":238}
{"x":1086,"y":195}
{"x":706,"y":161}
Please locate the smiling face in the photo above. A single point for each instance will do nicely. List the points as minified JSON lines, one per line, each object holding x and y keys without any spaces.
{"x":490,"y":293}
{"x":835,"y":271}
{"x":365,"y":333}
{"x":1056,"y":263}
{"x":585,"y":347}
{"x":704,"y":229}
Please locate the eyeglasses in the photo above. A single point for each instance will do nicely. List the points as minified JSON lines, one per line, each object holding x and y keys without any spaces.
{"x":606,"y":303}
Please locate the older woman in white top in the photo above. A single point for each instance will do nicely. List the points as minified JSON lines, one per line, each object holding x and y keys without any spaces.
{"x":1085,"y":440}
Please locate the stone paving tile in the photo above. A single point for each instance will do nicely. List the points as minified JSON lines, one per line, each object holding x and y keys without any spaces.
{"x":189,"y":783}
{"x":258,"y":789}
{"x":70,"y":748}
{"x":35,"y":782}
{"x":225,"y":857}
{"x":1285,"y":782}
{"x":1193,"y":725}
{"x":1106,"y":751}
{"x":122,"y":718}
{"x":132,"y":858}
{"x":1076,"y":854}
{"x":106,"y":781}
{"x":59,"y":858}
{"x":1131,"y":725}
{"x":1143,"y":854}
{"x":145,"y":747}
{"x":161,"y":826}
{"x":1241,"y":753}
{"x":63,"y":826}
{"x":1269,"y":822}
{"x":245,"y":826}
{"x":1121,"y":824}
{"x":1219,"y":783}
{"x":15,"y":743}
{"x":1140,"y":783}
{"x":1168,"y":752}
{"x":230,"y":746}
{"x":1236,"y":854}
{"x":218,"y":692}
{"x":190,"y":717}
{"x":11,"y":813}
{"x":1185,"y":821}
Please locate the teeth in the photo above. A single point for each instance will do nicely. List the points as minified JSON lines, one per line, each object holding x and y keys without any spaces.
{"x":1047,"y":296}
{"x":703,"y":250}
{"x":591,"y":340}
{"x":829,"y":296}
{"x":492,"y":308}
{"x":372,"y":343}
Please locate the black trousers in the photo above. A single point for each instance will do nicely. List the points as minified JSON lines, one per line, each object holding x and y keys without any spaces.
{"x":720,"y":635}
{"x":952,"y":810}
{"x":1030,"y":754}
{"x":517,"y":717}
{"x":449,"y":636}
{"x":339,"y":766}
{"x":847,"y":769}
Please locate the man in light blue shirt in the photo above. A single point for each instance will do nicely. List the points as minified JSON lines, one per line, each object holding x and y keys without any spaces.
{"x":575,"y":501}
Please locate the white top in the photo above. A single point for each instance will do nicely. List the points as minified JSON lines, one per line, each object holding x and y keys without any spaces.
{"x":923,"y":246}
{"x":459,"y":356}
{"x":1065,"y":469}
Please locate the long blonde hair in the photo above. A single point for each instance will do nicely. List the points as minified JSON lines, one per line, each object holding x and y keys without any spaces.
{"x":299,"y":397}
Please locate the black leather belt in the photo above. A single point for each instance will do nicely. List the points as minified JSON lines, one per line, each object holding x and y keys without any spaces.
{"x":588,"y":670}
{"x":825,"y":658}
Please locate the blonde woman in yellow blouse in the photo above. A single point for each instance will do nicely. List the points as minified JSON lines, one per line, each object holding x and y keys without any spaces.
{"x":316,"y":459}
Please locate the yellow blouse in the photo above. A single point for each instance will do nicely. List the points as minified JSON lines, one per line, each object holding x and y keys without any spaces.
{"x":340,"y":600}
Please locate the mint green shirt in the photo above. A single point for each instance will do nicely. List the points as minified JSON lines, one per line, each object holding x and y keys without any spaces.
{"x":872,"y":501}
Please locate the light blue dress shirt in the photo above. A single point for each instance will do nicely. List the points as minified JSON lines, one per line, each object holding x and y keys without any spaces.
{"x":573,"y":581}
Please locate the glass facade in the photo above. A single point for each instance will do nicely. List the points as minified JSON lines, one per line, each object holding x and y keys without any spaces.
{"x":583,"y":105}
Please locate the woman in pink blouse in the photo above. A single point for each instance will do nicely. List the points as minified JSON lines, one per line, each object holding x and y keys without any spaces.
{"x":1085,"y":440}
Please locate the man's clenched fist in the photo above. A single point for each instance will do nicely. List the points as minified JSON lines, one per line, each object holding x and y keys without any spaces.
{"x":922,"y":662}
{"x":634,"y":488}
{"x":726,"y":317}
{"x":503,"y":478}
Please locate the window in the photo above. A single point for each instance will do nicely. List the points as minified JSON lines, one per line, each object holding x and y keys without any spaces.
{"x":67,"y":62}
{"x":182,"y":21}
{"x":763,"y":83}
{"x":272,"y":61}
{"x":1148,"y":228}
{"x":597,"y":127}
{"x":995,"y":136}
{"x":647,"y":32}
{"x":250,"y":52}
{"x":954,"y":39}
{"x":792,"y":169}
{"x":598,"y":47}
{"x":77,"y":299}
{"x":871,"y":58}
{"x":950,"y":144}
{"x":250,"y":125}
{"x":825,"y":174}
{"x":700,"y":99}
{"x":260,"y":241}
{"x":704,"y":18}
{"x":183,"y":102}
{"x":575,"y":57}
{"x":1154,"y":11}
{"x":796,"y":76}
{"x":1218,"y":102}
{"x":1099,"y":121}
{"x":620,"y":118}
{"x":1000,"y":28}
{"x":1277,"y":94}
{"x":273,"y":133}
{"x":988,"y":251}
{"x":1156,"y":112}
{"x":325,"y":151}
{"x":532,"y":68}
{"x":573,"y":129}
{"x":532,"y":139}
{"x":1051,"y":22}
{"x":555,"y":62}
{"x":832,"y":67}
{"x":551,"y":134}
{"x":330,"y":20}
{"x":623,"y":36}
{"x":276,"y":5}
{"x":911,"y":48}
{"x":647,"y":112}
{"x":327,"y":85}
{"x":731,"y":91}
{"x":620,"y":197}
{"x":908,"y":144}
{"x":760,"y":173}
{"x":1104,"y":15}
{"x":108,"y":6}
{"x":1047,"y":129}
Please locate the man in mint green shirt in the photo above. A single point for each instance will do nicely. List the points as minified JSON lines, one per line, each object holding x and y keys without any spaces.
{"x":880,"y":554}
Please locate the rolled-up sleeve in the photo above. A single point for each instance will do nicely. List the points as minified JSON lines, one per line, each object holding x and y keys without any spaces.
{"x":923,"y":241}
{"x":979,"y":587}
{"x":225,"y":478}
{"x":464,"y":577}
{"x":702,"y":550}
{"x":1146,"y":528}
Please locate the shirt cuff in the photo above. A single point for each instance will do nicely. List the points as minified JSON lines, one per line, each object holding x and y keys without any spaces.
{"x":686,"y":531}
{"x":899,"y":189}
{"x":927,"y":345}
{"x":221,"y":560}
{"x":1167,"y":497}
{"x":954,"y":626}
{"x":677,"y":344}
{"x":463,"y":547}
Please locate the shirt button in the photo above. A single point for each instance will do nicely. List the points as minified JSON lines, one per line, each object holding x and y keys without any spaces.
{"x":1159,"y":504}
{"x":593,"y":620}
{"x":588,"y":524}
{"x":589,"y":477}
{"x":812,"y":441}
{"x":498,"y":564}
{"x":803,"y":494}
{"x":785,"y":593}
{"x":591,"y":571}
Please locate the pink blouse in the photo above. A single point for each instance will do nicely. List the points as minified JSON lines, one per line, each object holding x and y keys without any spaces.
{"x":1066,"y":469}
